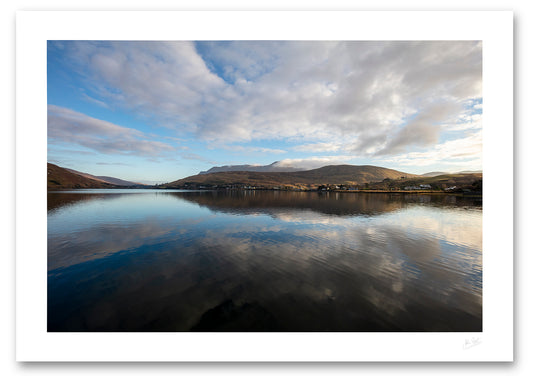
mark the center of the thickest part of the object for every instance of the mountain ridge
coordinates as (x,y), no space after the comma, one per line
(434,173)
(333,174)
(105,179)
(255,168)
(61,178)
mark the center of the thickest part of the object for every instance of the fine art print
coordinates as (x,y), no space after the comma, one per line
(264,186)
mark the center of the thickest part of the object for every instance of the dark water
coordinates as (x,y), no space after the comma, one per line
(127,260)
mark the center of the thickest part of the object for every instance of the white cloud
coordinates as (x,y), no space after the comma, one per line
(378,98)
(465,122)
(252,149)
(463,152)
(165,78)
(422,130)
(320,147)
(68,126)
(314,162)
(95,101)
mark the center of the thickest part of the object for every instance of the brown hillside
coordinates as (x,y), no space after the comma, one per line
(460,180)
(105,179)
(60,178)
(338,174)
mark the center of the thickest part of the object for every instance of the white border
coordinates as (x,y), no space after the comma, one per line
(33,343)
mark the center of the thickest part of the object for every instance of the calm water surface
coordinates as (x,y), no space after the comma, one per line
(143,260)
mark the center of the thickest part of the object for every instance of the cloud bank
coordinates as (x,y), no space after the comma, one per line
(353,98)
(71,127)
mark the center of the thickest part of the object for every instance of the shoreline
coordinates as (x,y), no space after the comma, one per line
(364,191)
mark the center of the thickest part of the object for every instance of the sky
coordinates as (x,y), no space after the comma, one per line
(154,112)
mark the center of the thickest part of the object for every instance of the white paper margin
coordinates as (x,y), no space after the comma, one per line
(494,28)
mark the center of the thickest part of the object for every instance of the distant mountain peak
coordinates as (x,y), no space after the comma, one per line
(471,172)
(273,167)
(438,173)
(434,173)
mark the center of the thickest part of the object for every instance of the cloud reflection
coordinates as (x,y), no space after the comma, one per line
(403,270)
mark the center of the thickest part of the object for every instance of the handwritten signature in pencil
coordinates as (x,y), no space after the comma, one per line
(471,342)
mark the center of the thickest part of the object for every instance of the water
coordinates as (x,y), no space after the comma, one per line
(143,260)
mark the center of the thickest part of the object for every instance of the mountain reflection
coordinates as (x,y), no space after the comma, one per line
(294,262)
(243,202)
(334,203)
(58,200)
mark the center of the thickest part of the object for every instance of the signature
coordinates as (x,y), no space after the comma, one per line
(471,342)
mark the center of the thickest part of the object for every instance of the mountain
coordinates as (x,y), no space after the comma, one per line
(471,172)
(61,178)
(336,174)
(105,179)
(276,203)
(439,173)
(434,173)
(117,181)
(257,168)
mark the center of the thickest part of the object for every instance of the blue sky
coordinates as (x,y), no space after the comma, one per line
(161,111)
